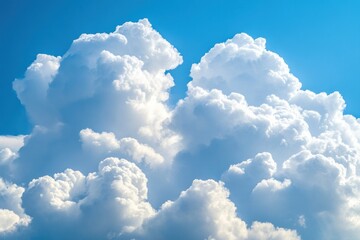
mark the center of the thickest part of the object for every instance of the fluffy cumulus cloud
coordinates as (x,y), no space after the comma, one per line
(12,214)
(204,212)
(288,156)
(247,154)
(103,204)
(243,65)
(106,144)
(114,82)
(9,147)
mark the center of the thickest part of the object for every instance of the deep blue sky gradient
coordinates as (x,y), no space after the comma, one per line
(319,40)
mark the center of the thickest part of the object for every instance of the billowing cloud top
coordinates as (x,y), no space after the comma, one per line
(246,155)
(244,66)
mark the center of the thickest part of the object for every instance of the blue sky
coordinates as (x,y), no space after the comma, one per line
(238,151)
(319,40)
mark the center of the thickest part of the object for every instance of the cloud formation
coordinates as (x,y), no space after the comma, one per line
(114,82)
(12,214)
(204,212)
(288,156)
(103,204)
(243,65)
(106,144)
(247,154)
(9,147)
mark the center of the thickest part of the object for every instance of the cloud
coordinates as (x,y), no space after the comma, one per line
(247,154)
(220,130)
(109,82)
(12,214)
(204,212)
(108,202)
(14,143)
(243,65)
(283,152)
(272,185)
(106,144)
(6,155)
(9,151)
(32,90)
(8,220)
(9,147)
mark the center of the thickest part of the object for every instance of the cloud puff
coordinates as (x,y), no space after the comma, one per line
(106,203)
(276,157)
(106,144)
(126,67)
(114,82)
(308,188)
(9,147)
(14,143)
(284,153)
(243,65)
(204,212)
(12,214)
(220,130)
(32,90)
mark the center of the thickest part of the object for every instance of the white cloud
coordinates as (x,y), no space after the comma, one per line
(266,231)
(204,116)
(243,65)
(32,90)
(243,101)
(262,166)
(14,143)
(12,214)
(302,221)
(110,202)
(9,147)
(288,157)
(109,82)
(6,155)
(272,185)
(140,152)
(8,220)
(106,144)
(204,212)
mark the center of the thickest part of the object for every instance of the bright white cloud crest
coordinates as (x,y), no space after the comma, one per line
(109,158)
